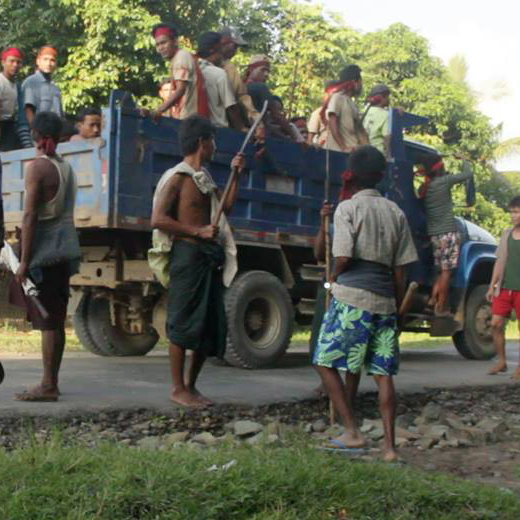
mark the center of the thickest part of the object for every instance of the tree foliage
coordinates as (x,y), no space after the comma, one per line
(107,45)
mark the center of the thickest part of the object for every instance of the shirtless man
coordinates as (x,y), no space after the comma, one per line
(88,125)
(50,251)
(202,258)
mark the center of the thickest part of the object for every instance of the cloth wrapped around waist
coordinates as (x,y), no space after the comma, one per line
(196,318)
(370,276)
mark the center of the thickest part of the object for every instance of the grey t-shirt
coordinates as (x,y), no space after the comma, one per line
(438,203)
(40,92)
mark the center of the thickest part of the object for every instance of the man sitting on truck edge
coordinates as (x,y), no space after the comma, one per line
(344,129)
(189,94)
(50,251)
(372,244)
(441,225)
(88,125)
(223,105)
(504,288)
(202,258)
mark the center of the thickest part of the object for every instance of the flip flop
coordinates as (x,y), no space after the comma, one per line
(340,447)
(32,397)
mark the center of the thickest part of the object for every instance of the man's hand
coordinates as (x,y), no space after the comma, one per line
(326,210)
(238,162)
(489,294)
(21,274)
(208,232)
(155,115)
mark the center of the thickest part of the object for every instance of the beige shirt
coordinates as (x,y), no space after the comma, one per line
(239,89)
(317,127)
(219,90)
(348,114)
(8,99)
(183,69)
(370,227)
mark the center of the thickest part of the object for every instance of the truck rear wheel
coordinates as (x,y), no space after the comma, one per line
(475,341)
(81,328)
(260,318)
(114,340)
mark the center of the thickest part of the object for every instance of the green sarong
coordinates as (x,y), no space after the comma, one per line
(196,318)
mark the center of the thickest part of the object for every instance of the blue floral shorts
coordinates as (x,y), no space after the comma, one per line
(351,338)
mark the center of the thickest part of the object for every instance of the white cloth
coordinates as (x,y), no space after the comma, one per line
(219,90)
(206,185)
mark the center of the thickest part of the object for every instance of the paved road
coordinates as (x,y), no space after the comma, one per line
(92,383)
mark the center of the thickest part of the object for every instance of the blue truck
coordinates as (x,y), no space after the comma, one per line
(118,308)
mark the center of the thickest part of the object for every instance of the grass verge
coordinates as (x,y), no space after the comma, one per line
(52,481)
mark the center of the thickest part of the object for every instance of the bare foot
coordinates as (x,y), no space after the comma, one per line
(496,369)
(186,399)
(38,394)
(203,399)
(390,455)
(351,440)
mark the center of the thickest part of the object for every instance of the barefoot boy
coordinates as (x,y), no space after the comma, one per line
(504,288)
(372,244)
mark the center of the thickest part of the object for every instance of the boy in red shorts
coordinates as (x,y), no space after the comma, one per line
(504,288)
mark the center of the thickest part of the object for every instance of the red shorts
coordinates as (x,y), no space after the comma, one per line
(505,302)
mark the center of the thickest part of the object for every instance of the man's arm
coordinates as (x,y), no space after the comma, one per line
(180,89)
(334,130)
(319,241)
(279,118)
(33,189)
(341,264)
(238,162)
(399,284)
(161,219)
(29,114)
(386,144)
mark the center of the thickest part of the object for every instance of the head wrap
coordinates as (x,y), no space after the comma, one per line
(259,60)
(428,176)
(11,51)
(47,49)
(164,30)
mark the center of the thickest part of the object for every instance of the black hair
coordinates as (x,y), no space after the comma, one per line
(47,124)
(367,165)
(207,43)
(277,98)
(350,72)
(89,111)
(514,202)
(428,160)
(192,130)
(169,26)
(68,129)
(298,118)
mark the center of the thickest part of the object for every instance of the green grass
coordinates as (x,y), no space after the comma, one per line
(50,481)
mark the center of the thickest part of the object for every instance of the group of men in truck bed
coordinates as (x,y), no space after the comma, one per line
(193,250)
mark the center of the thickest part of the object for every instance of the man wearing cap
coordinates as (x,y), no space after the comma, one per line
(188,96)
(231,41)
(376,118)
(221,99)
(255,78)
(14,131)
(40,93)
(345,131)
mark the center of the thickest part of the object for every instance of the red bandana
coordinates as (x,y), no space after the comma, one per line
(164,31)
(12,51)
(252,66)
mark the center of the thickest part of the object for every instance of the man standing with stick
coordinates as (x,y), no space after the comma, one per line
(372,244)
(202,257)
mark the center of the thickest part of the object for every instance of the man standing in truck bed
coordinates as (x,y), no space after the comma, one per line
(50,251)
(202,258)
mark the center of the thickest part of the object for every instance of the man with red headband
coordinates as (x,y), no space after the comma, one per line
(188,96)
(14,131)
(375,119)
(317,126)
(231,41)
(441,225)
(345,131)
(40,93)
(50,251)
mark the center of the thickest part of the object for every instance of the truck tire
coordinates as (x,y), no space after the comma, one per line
(260,317)
(112,339)
(475,341)
(80,324)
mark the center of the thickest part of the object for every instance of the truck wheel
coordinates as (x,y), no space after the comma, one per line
(80,324)
(113,339)
(260,318)
(475,341)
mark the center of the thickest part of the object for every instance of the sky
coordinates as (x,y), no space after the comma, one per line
(487,35)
